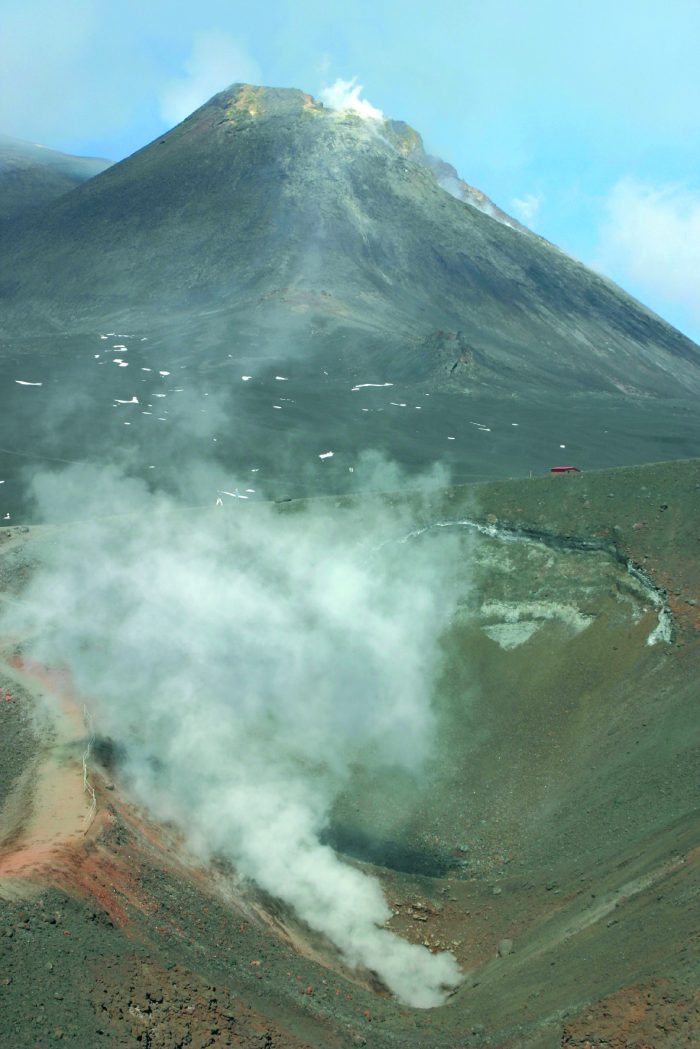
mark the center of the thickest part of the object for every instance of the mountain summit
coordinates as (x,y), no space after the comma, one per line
(290,222)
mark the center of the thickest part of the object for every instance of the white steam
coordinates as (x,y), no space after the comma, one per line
(247,661)
(344,95)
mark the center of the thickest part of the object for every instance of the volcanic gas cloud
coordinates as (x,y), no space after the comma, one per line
(247,660)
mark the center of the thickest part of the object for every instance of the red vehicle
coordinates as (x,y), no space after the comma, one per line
(564,470)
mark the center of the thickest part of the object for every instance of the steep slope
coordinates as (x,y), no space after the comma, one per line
(273,281)
(297,221)
(32,175)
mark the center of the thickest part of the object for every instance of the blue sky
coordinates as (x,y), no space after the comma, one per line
(581,117)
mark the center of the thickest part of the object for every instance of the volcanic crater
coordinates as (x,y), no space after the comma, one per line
(550,842)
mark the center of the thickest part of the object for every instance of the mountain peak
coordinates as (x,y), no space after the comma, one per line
(249,101)
(274,213)
(242,104)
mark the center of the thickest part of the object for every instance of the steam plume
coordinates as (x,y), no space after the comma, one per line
(344,95)
(246,661)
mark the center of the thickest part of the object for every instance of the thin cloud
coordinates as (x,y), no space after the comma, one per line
(323,66)
(650,238)
(52,79)
(216,60)
(527,207)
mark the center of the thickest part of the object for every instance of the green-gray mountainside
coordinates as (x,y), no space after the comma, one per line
(32,175)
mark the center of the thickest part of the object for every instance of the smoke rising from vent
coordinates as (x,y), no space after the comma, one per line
(247,659)
(344,95)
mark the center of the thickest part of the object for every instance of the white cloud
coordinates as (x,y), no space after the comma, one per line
(216,60)
(527,207)
(344,95)
(650,238)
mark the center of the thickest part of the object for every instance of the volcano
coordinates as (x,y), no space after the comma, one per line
(293,223)
(270,236)
(413,766)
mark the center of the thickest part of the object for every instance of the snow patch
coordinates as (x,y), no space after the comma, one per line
(366,385)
